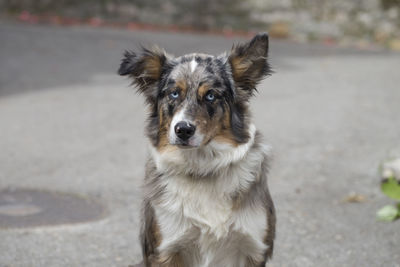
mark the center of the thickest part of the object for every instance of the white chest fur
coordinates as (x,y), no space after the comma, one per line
(203,213)
(202,210)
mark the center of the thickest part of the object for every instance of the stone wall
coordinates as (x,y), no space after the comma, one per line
(369,20)
(377,20)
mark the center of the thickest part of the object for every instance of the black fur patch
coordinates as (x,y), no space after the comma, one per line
(238,123)
(170,82)
(185,59)
(127,63)
(210,109)
(217,84)
(210,70)
(170,110)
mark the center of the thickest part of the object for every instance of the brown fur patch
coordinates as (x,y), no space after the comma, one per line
(164,124)
(209,128)
(162,142)
(239,66)
(155,228)
(163,129)
(224,135)
(171,260)
(182,85)
(150,237)
(270,234)
(236,201)
(152,67)
(202,90)
(161,118)
(252,263)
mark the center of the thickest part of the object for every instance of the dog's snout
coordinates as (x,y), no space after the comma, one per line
(184,130)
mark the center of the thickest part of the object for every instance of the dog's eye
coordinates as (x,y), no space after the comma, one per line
(174,95)
(210,96)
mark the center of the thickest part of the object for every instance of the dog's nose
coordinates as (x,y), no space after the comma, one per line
(184,130)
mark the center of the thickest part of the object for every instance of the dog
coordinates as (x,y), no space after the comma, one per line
(206,202)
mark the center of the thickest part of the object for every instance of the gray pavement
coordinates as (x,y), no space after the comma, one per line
(69,124)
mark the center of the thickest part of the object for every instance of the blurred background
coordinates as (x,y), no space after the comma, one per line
(358,22)
(72,145)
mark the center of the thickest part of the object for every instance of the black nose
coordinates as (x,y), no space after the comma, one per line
(184,130)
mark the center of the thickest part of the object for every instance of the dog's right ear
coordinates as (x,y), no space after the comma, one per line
(249,64)
(146,70)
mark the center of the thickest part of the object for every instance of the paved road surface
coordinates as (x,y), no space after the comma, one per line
(69,124)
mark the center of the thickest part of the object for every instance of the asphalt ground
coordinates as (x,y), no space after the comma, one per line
(70,125)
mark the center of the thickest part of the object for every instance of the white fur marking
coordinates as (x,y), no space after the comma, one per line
(177,118)
(193,65)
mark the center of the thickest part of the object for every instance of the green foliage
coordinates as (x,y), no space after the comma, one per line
(388,213)
(391,188)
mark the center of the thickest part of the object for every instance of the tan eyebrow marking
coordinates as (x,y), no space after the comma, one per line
(181,84)
(203,89)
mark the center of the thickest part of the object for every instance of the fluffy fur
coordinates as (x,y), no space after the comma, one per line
(206,196)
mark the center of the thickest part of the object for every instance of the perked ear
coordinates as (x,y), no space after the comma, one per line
(249,64)
(146,70)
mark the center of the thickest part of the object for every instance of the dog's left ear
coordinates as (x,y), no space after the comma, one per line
(146,69)
(249,64)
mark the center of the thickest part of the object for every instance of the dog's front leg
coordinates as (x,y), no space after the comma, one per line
(252,263)
(170,260)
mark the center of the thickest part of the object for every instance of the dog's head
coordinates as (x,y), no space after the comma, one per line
(197,98)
